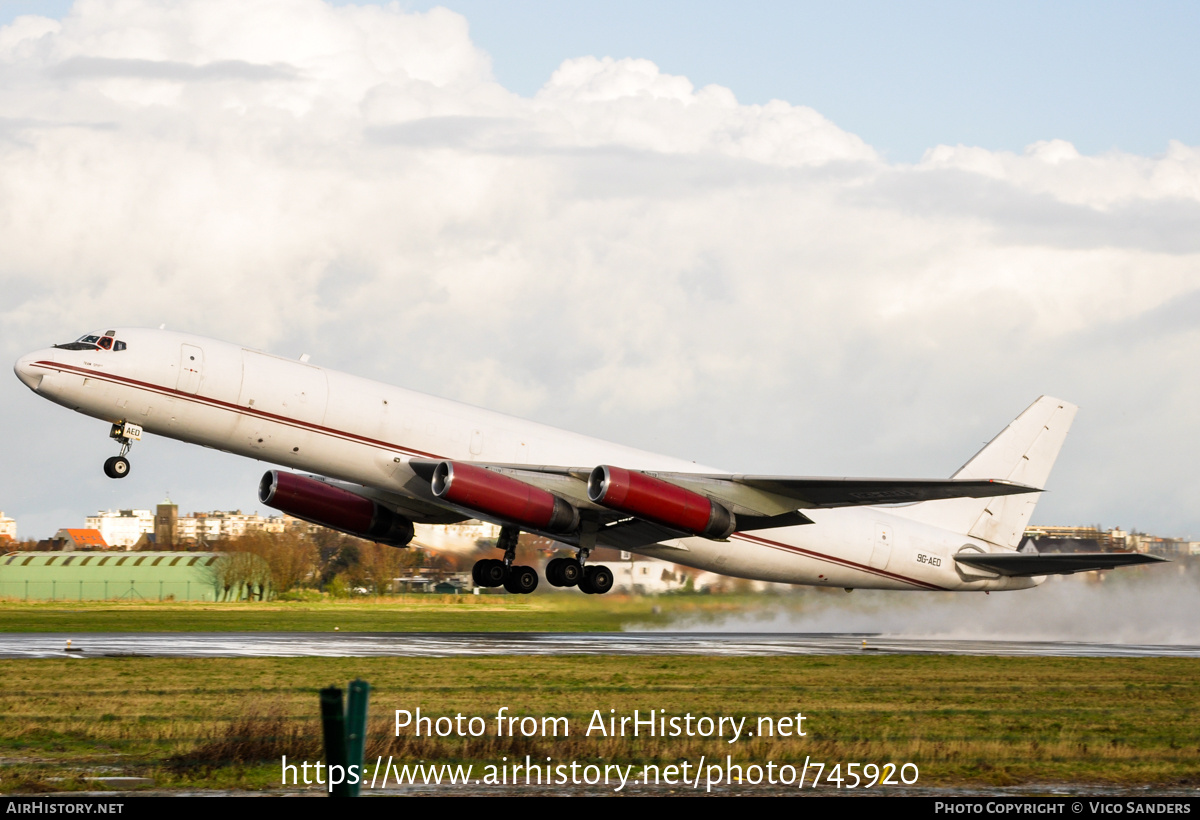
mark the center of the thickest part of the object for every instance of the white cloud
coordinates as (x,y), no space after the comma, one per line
(747,285)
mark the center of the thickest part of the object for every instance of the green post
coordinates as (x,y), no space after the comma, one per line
(333,722)
(356,728)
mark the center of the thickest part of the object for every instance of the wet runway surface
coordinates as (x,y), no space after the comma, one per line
(459,644)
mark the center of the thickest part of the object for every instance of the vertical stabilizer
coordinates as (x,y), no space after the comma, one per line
(1024,452)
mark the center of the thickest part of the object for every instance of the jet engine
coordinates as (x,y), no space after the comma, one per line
(504,497)
(334,507)
(659,501)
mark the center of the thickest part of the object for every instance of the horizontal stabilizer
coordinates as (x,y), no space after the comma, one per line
(1028,565)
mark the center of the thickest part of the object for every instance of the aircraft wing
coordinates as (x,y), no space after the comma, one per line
(1028,565)
(815,493)
(760,501)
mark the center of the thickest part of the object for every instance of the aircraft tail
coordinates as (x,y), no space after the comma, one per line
(1023,452)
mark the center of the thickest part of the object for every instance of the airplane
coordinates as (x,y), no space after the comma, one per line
(375,459)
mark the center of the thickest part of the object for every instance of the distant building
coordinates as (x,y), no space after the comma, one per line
(458,539)
(1073,539)
(644,576)
(202,528)
(1095,539)
(122,528)
(166,524)
(70,540)
(145,576)
(8,527)
(1140,542)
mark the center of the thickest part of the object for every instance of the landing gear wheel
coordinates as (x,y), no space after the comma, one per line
(569,572)
(116,467)
(597,580)
(563,572)
(489,572)
(521,580)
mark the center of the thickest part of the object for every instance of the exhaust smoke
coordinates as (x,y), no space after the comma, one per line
(1159,606)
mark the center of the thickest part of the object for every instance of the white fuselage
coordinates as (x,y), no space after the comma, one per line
(323,421)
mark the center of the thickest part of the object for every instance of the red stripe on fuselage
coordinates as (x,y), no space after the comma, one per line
(236,408)
(755,539)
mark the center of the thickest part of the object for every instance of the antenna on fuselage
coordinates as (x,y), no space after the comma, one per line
(163,326)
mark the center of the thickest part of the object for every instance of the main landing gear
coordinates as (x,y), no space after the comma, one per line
(592,579)
(127,434)
(493,572)
(560,572)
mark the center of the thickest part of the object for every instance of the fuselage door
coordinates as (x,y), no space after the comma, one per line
(191,369)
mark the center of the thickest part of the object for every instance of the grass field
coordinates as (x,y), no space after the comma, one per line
(406,613)
(226,722)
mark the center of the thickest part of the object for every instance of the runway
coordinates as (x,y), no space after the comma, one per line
(462,644)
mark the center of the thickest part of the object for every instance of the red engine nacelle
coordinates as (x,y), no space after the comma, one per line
(659,501)
(334,507)
(502,496)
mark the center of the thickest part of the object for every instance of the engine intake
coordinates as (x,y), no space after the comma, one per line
(333,507)
(659,501)
(502,496)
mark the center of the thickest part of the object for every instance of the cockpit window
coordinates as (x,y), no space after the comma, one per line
(91,341)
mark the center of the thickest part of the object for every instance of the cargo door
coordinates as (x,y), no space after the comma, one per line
(881,552)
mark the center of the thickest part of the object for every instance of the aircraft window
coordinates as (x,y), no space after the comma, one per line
(105,343)
(82,343)
(119,346)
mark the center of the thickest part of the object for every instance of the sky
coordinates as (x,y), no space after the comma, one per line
(803,239)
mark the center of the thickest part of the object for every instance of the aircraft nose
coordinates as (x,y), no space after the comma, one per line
(26,372)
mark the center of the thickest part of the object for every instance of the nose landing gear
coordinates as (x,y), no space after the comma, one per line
(126,434)
(116,467)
